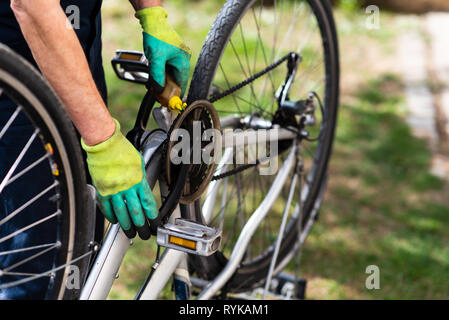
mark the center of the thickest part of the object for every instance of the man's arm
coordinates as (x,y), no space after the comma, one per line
(116,167)
(60,57)
(141,4)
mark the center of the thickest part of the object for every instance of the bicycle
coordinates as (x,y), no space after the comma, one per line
(227,229)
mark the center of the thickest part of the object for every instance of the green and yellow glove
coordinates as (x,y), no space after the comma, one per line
(163,48)
(118,173)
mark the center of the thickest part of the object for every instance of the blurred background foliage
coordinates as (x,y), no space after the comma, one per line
(383,206)
(404,6)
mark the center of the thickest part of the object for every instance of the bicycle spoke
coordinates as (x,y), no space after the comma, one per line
(244,47)
(234,227)
(18,160)
(257,43)
(243,100)
(308,71)
(10,121)
(290,29)
(31,166)
(221,211)
(20,274)
(302,44)
(21,262)
(213,219)
(41,246)
(246,75)
(314,85)
(259,37)
(43,274)
(229,86)
(26,204)
(55,214)
(276,30)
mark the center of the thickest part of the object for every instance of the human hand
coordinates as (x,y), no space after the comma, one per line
(163,48)
(123,194)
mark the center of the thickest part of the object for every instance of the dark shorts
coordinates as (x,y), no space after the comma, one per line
(25,188)
(89,34)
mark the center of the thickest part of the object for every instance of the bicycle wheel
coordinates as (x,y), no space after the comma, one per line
(44,223)
(247,38)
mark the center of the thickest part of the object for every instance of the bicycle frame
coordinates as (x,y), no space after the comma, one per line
(110,257)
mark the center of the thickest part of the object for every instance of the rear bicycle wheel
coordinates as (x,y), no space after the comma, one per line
(44,225)
(247,37)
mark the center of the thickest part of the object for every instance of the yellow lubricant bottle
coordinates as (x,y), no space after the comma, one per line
(170,96)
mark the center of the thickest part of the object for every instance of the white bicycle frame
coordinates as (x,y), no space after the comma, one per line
(110,256)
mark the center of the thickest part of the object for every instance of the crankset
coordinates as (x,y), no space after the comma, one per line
(187,154)
(194,140)
(188,151)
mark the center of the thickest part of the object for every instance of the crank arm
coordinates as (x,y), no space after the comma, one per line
(172,200)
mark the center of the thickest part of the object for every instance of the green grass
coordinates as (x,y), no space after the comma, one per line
(382,206)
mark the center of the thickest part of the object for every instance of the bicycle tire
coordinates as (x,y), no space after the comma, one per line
(27,88)
(251,275)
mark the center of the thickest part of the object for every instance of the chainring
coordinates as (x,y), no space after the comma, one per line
(191,124)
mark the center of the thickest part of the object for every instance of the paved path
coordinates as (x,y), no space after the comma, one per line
(437,27)
(425,63)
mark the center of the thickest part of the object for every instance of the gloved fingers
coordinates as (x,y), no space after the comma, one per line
(144,231)
(106,208)
(147,200)
(179,68)
(121,212)
(138,217)
(134,208)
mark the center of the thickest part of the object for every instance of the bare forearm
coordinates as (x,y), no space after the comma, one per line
(61,59)
(140,4)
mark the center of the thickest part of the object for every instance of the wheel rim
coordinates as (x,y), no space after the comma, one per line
(18,265)
(259,97)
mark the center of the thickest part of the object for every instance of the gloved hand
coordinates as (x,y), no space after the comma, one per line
(118,173)
(163,47)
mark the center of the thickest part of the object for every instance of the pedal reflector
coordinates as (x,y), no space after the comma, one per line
(182,242)
(189,236)
(130,56)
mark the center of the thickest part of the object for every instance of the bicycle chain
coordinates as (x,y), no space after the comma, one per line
(249,80)
(223,94)
(232,90)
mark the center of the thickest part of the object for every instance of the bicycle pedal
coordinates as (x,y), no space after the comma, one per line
(189,236)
